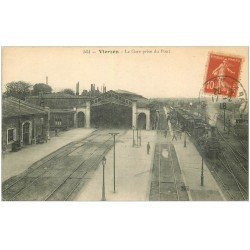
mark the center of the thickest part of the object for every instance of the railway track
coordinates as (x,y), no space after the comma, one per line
(242,189)
(167,183)
(173,170)
(164,184)
(58,190)
(56,155)
(224,185)
(244,144)
(235,153)
(59,175)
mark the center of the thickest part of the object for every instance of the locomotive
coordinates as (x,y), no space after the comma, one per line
(203,134)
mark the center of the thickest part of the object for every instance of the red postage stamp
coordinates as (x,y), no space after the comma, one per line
(222,76)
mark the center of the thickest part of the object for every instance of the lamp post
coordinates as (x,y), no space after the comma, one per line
(202,173)
(158,119)
(224,109)
(133,136)
(185,138)
(103,178)
(114,134)
(137,128)
(140,136)
(203,106)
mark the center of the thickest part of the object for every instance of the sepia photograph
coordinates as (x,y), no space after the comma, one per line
(125,123)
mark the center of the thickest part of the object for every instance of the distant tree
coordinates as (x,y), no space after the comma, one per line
(68,91)
(41,87)
(18,89)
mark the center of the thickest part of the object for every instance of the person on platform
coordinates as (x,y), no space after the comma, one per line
(148,148)
(165,133)
(174,136)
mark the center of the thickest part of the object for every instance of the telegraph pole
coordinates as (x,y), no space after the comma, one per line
(224,109)
(137,129)
(185,139)
(133,136)
(202,173)
(114,134)
(103,178)
(140,137)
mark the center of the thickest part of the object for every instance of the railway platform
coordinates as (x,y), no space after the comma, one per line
(190,163)
(14,163)
(133,172)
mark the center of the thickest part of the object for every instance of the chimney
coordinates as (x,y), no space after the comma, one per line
(77,88)
(47,80)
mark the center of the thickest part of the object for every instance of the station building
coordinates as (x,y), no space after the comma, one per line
(111,109)
(22,122)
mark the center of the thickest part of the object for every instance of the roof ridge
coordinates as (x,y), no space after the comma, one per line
(25,103)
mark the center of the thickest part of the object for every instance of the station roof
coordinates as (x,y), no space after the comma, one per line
(123,98)
(59,96)
(62,111)
(142,102)
(12,107)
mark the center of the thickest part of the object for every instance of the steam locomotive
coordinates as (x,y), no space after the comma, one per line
(203,135)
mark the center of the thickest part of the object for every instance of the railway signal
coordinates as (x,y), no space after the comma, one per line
(114,134)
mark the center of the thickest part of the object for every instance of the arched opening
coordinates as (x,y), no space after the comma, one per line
(80,120)
(26,133)
(111,115)
(141,121)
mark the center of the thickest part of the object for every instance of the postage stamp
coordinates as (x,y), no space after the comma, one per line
(222,75)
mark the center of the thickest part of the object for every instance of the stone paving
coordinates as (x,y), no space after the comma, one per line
(14,163)
(133,172)
(190,164)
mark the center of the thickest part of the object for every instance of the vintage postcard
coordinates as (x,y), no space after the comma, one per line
(125,124)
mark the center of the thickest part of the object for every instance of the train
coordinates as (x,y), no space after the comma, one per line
(204,135)
(237,122)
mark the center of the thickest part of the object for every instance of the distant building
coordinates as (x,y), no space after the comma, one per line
(22,122)
(119,109)
(64,109)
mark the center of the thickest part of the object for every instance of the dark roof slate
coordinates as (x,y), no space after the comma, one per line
(12,107)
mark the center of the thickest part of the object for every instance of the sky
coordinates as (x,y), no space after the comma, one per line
(150,71)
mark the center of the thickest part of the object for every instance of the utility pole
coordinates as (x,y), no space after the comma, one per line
(140,136)
(224,109)
(137,136)
(114,134)
(202,173)
(133,136)
(19,122)
(137,129)
(103,178)
(185,139)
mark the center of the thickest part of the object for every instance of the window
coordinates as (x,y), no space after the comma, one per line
(58,121)
(11,135)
